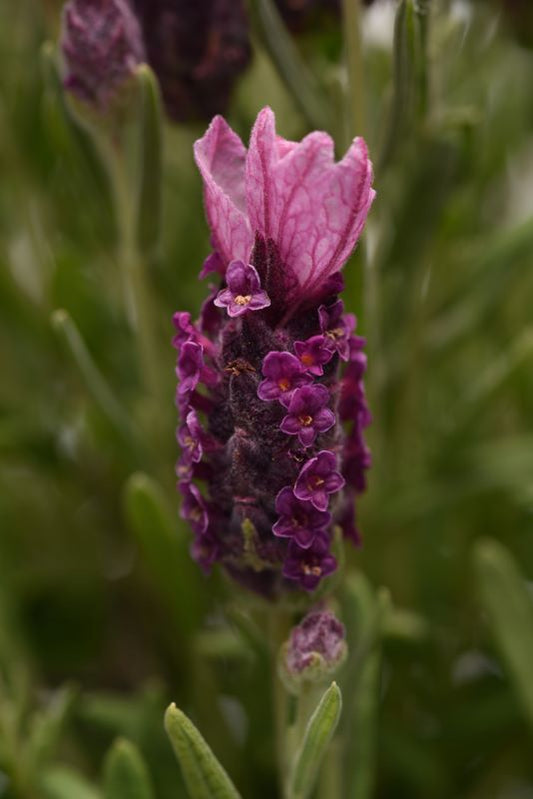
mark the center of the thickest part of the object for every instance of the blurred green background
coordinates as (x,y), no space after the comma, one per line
(96,587)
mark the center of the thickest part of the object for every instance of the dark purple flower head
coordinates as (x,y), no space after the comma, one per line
(307,414)
(313,354)
(337,327)
(244,292)
(197,50)
(299,519)
(261,372)
(319,637)
(318,479)
(283,373)
(309,566)
(102,45)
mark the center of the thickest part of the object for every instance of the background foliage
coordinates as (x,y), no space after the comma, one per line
(97,592)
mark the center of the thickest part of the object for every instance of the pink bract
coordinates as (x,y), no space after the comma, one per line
(292,193)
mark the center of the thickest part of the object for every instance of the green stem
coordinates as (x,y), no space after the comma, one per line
(279,630)
(354,62)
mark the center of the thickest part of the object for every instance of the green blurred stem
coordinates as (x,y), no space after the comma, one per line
(351,10)
(138,306)
(422,14)
(279,629)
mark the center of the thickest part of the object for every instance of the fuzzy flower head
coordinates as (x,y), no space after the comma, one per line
(315,650)
(102,45)
(269,466)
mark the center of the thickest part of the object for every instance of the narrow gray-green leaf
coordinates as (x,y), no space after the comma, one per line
(304,88)
(47,727)
(509,606)
(204,777)
(125,773)
(61,782)
(403,99)
(164,548)
(149,187)
(96,384)
(318,735)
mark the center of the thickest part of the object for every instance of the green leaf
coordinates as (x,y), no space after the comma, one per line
(404,77)
(97,386)
(302,85)
(60,782)
(365,612)
(149,185)
(204,777)
(509,606)
(47,727)
(165,549)
(318,735)
(125,773)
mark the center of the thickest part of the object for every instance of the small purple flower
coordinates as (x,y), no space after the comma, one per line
(190,365)
(356,460)
(309,566)
(244,292)
(347,521)
(193,507)
(313,354)
(102,45)
(283,373)
(205,550)
(318,478)
(307,414)
(184,328)
(337,327)
(213,263)
(298,519)
(190,437)
(319,636)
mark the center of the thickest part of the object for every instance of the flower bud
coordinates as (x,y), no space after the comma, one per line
(197,51)
(102,45)
(315,650)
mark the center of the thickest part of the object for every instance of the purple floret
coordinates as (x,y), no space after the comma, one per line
(318,479)
(283,373)
(244,292)
(309,566)
(308,415)
(299,519)
(337,328)
(313,354)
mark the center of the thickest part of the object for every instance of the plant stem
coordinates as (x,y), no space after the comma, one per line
(279,630)
(354,63)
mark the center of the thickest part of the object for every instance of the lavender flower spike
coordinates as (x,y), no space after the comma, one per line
(307,414)
(265,432)
(244,292)
(102,45)
(318,479)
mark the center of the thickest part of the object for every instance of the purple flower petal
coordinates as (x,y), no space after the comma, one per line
(283,373)
(313,354)
(244,291)
(318,479)
(298,519)
(307,415)
(309,566)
